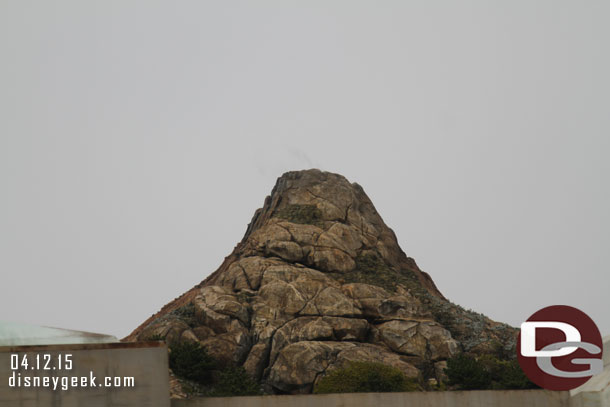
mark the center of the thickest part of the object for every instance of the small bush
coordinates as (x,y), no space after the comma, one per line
(155,338)
(505,374)
(186,313)
(363,377)
(467,373)
(372,269)
(370,263)
(486,372)
(303,214)
(190,361)
(234,381)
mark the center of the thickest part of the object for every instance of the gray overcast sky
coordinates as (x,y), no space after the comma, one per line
(138,138)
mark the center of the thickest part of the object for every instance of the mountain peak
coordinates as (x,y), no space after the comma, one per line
(319,280)
(327,223)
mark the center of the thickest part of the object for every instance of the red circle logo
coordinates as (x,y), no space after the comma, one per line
(560,348)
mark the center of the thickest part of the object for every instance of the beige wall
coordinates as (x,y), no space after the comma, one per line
(145,362)
(531,398)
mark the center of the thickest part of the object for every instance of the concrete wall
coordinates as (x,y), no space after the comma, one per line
(596,392)
(145,362)
(501,398)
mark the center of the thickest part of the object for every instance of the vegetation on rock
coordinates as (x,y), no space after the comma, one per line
(233,381)
(302,214)
(192,363)
(155,338)
(186,313)
(365,377)
(371,269)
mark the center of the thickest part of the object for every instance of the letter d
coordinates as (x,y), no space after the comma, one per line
(528,338)
(11,380)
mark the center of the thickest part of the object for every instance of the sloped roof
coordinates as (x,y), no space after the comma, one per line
(18,334)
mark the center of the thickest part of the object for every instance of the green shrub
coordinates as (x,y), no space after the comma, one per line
(186,313)
(372,269)
(303,214)
(190,361)
(234,381)
(155,338)
(505,374)
(467,373)
(486,372)
(370,263)
(363,377)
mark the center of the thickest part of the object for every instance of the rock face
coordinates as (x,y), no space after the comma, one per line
(318,281)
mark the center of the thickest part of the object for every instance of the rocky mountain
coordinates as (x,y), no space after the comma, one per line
(317,281)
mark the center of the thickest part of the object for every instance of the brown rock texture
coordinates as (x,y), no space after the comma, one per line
(317,281)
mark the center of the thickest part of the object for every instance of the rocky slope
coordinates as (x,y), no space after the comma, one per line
(317,281)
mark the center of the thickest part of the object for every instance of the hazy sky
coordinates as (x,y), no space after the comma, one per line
(138,138)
